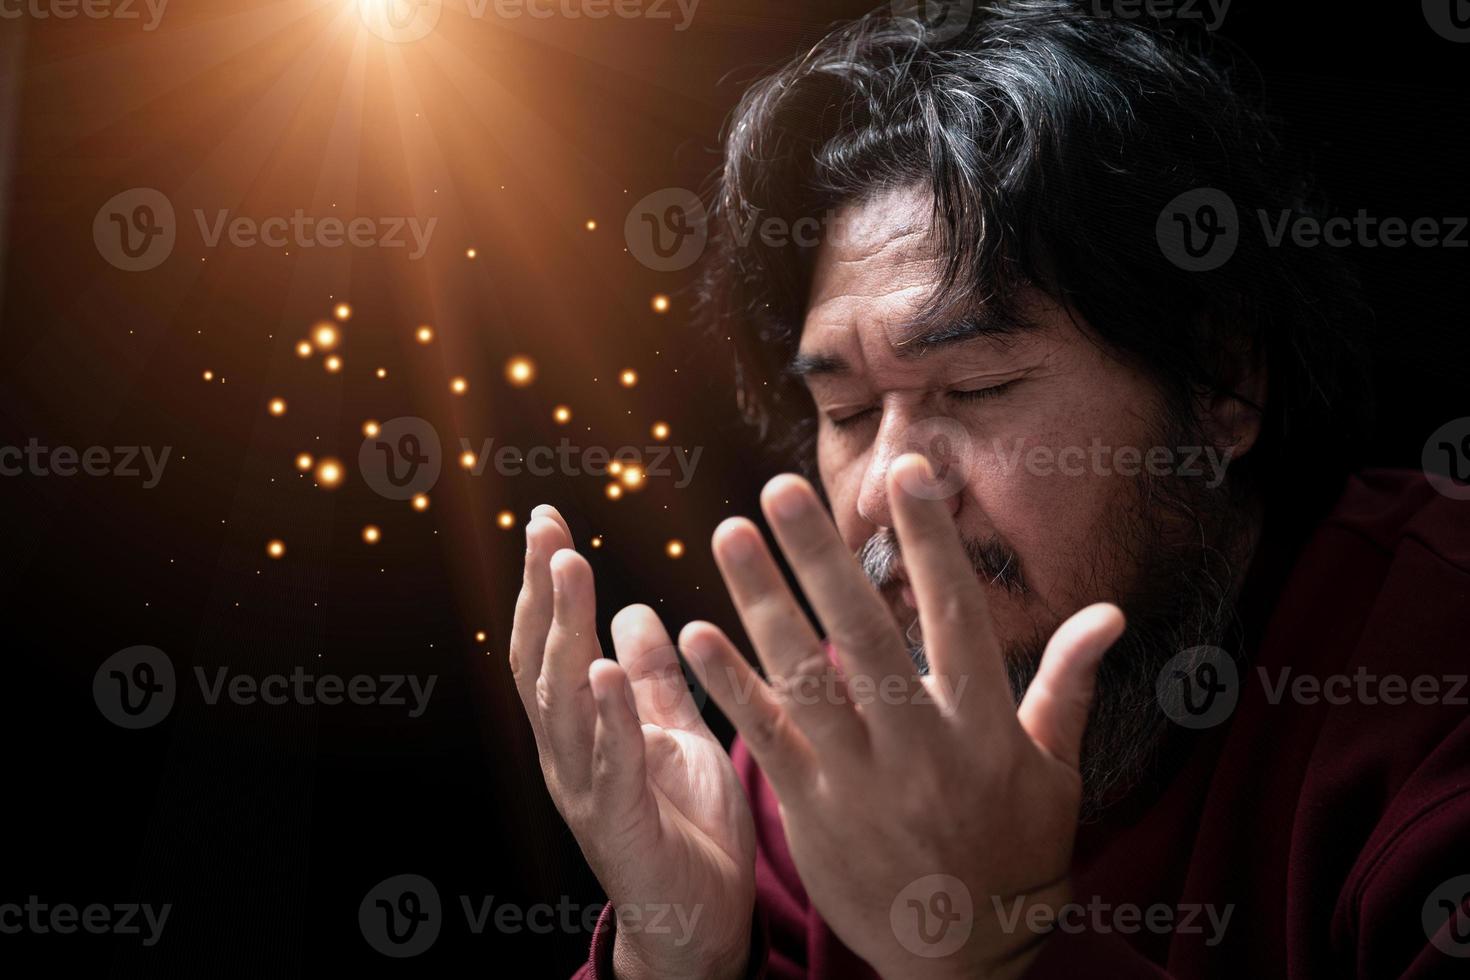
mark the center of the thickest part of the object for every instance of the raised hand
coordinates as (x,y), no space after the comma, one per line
(923,777)
(639,778)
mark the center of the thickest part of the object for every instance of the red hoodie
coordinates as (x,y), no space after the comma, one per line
(1321,831)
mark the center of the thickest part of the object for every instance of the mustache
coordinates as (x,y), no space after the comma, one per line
(991,558)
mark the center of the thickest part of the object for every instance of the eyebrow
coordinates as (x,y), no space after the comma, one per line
(949,333)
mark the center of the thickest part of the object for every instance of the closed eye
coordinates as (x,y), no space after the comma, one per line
(849,421)
(977,394)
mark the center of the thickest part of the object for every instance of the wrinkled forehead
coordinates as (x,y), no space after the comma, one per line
(876,266)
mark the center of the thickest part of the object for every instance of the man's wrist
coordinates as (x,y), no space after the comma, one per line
(630,962)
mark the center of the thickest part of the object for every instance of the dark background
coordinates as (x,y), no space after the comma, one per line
(264,827)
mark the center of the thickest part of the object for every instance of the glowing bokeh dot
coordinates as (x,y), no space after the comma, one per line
(470,253)
(370,428)
(591,225)
(424,334)
(615,467)
(660,303)
(329,473)
(304,461)
(632,476)
(596,541)
(342,311)
(614,491)
(277,406)
(208,375)
(276,548)
(479,636)
(628,378)
(660,430)
(459,385)
(505,519)
(520,371)
(325,336)
(562,414)
(420,502)
(674,549)
(371,534)
(303,348)
(333,364)
(467,460)
(382,372)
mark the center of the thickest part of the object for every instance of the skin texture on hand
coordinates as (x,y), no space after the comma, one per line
(646,788)
(952,778)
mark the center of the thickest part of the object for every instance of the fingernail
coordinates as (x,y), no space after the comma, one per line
(789,503)
(737,546)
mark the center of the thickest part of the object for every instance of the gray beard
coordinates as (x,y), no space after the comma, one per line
(1187,543)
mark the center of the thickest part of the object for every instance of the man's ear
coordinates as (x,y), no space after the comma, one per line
(1231,415)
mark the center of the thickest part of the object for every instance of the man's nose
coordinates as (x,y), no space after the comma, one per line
(894,439)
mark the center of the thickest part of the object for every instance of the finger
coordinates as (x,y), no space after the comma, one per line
(1054,710)
(959,636)
(546,510)
(856,619)
(797,665)
(619,767)
(562,692)
(533,612)
(782,752)
(659,688)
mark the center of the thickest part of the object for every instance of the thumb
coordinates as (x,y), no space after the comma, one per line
(1054,710)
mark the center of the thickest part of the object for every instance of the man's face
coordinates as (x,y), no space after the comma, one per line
(1005,413)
